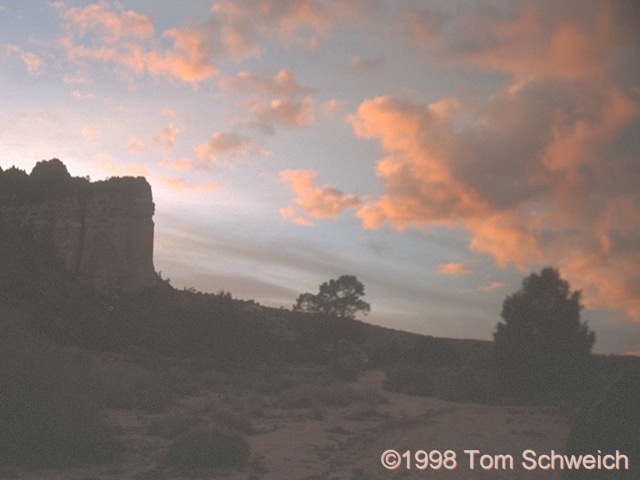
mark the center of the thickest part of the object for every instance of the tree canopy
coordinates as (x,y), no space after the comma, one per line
(542,342)
(339,298)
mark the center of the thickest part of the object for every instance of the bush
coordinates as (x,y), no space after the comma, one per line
(50,406)
(206,448)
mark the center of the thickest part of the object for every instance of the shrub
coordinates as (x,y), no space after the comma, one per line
(206,448)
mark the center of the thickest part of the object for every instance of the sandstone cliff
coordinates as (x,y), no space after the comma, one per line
(101,231)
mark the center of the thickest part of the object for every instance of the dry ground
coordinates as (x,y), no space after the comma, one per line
(322,441)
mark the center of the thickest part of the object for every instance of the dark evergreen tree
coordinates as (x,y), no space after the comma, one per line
(542,344)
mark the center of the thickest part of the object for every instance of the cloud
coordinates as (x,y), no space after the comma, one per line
(32,61)
(365,65)
(98,33)
(90,134)
(424,25)
(543,172)
(229,145)
(166,137)
(78,95)
(454,269)
(189,60)
(280,99)
(105,163)
(235,29)
(568,40)
(137,146)
(493,286)
(307,23)
(284,84)
(289,213)
(286,111)
(331,107)
(181,165)
(316,202)
(113,25)
(180,185)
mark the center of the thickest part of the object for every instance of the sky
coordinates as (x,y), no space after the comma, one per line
(440,151)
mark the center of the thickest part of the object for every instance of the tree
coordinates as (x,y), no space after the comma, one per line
(542,343)
(338,298)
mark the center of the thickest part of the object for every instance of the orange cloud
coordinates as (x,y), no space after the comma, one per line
(528,39)
(90,135)
(454,269)
(180,185)
(331,108)
(32,61)
(137,146)
(365,65)
(280,99)
(286,111)
(113,25)
(189,60)
(541,174)
(302,22)
(112,169)
(493,286)
(125,38)
(166,137)
(420,184)
(229,145)
(316,202)
(284,83)
(289,213)
(183,164)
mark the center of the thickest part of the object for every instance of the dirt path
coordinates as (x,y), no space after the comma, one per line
(347,443)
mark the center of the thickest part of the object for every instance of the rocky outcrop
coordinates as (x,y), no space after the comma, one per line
(101,231)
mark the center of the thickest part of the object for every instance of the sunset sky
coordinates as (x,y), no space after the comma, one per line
(440,151)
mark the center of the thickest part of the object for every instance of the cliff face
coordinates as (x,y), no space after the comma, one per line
(101,231)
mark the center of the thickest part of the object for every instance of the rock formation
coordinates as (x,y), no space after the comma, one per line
(101,231)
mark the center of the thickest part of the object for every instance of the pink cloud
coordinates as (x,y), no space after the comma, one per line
(244,23)
(539,175)
(493,286)
(112,25)
(105,163)
(166,137)
(180,185)
(289,213)
(90,134)
(284,83)
(365,65)
(454,269)
(229,145)
(331,108)
(286,111)
(32,61)
(280,99)
(316,202)
(137,146)
(181,165)
(126,39)
(524,38)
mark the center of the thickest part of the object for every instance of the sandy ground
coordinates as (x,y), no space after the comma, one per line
(347,443)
